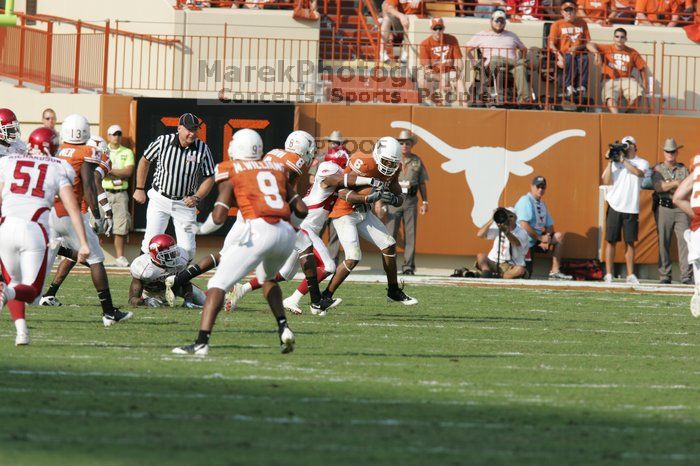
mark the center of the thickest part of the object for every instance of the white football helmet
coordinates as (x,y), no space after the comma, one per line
(387,154)
(98,143)
(246,144)
(301,143)
(75,129)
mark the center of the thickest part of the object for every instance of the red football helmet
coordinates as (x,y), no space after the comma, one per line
(163,250)
(44,141)
(9,126)
(338,156)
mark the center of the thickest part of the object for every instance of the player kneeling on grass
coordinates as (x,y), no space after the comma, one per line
(264,241)
(29,184)
(687,198)
(149,271)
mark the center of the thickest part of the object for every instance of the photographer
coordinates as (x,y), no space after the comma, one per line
(624,172)
(509,261)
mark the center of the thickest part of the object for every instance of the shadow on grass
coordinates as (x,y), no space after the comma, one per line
(191,418)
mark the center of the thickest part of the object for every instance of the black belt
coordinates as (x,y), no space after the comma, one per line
(115,190)
(172,198)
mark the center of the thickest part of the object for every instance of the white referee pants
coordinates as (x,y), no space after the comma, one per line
(159,212)
(23,254)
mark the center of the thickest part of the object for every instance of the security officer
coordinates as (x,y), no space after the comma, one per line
(666,178)
(413,179)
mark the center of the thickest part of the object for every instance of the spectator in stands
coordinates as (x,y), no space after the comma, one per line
(594,11)
(116,185)
(48,118)
(534,218)
(622,11)
(510,261)
(625,176)
(484,8)
(501,48)
(441,66)
(396,13)
(618,61)
(666,177)
(524,10)
(659,12)
(567,39)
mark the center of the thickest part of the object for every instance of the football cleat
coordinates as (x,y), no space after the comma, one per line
(116,316)
(233,297)
(197,349)
(292,305)
(3,286)
(321,309)
(22,339)
(399,296)
(286,340)
(191,305)
(49,301)
(169,294)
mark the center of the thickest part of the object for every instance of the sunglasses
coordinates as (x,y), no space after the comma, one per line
(117,133)
(541,186)
(569,10)
(405,143)
(500,20)
(439,28)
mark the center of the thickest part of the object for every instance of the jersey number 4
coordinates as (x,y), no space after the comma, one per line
(23,174)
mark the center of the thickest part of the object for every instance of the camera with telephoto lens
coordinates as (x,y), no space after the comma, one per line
(500,216)
(617,151)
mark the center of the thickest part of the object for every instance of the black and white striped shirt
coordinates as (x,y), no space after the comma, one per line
(179,170)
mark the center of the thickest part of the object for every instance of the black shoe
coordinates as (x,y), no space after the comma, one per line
(398,296)
(665,281)
(326,303)
(116,316)
(408,272)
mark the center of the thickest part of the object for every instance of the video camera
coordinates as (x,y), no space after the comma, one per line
(617,151)
(500,216)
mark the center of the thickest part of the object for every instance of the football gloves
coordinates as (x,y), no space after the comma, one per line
(373,196)
(152,302)
(390,198)
(104,226)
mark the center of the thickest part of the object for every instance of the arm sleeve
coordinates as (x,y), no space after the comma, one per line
(220,175)
(423,175)
(523,210)
(129,158)
(153,150)
(207,163)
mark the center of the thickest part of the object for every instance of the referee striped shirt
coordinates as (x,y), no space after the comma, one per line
(179,170)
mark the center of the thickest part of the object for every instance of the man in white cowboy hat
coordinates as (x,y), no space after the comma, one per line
(666,178)
(413,179)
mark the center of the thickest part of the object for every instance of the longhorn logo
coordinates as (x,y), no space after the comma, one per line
(487,169)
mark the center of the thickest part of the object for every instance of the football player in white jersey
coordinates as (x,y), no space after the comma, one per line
(319,200)
(148,271)
(10,142)
(29,184)
(687,198)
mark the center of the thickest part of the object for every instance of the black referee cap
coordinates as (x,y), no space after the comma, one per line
(189,121)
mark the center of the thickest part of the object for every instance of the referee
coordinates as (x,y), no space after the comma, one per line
(182,161)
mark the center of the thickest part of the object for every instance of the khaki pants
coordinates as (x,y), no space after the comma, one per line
(408,213)
(120,211)
(519,71)
(628,88)
(669,222)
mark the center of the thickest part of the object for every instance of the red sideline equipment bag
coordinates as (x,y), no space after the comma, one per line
(582,269)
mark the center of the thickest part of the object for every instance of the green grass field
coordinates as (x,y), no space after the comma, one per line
(469,376)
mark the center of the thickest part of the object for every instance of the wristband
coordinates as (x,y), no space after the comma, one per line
(425,202)
(222,205)
(196,198)
(139,189)
(102,197)
(107,207)
(293,197)
(363,180)
(345,180)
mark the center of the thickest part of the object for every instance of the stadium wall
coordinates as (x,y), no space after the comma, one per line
(472,160)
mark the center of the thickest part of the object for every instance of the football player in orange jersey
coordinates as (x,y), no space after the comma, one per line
(351,222)
(263,242)
(75,133)
(687,198)
(102,225)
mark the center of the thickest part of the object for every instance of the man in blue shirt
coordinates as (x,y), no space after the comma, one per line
(534,218)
